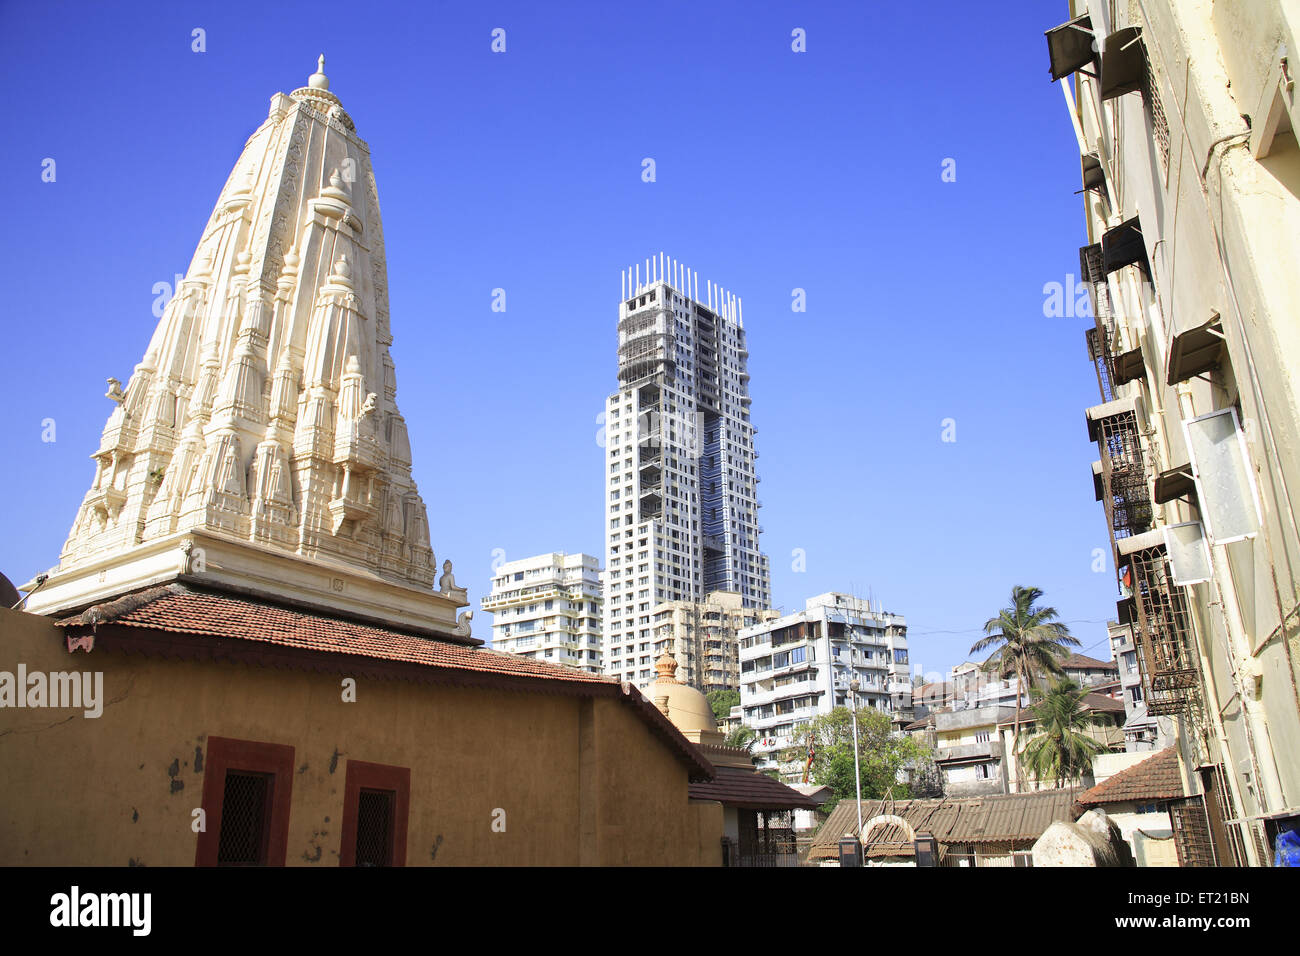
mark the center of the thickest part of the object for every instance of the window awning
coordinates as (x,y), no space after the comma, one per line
(1139,542)
(1096,480)
(1195,351)
(1108,410)
(1126,611)
(1128,366)
(1123,63)
(1071,46)
(1093,175)
(1175,483)
(1123,246)
(1090,263)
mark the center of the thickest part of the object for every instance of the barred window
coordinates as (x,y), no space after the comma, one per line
(245,815)
(376,803)
(375,827)
(247,790)
(1159,123)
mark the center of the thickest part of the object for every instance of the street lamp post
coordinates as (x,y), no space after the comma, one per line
(857,773)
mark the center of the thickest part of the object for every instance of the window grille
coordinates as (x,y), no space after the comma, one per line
(1127,499)
(1159,123)
(1164,634)
(245,811)
(1191,832)
(375,827)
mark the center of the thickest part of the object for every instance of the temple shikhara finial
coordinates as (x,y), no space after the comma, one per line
(318,80)
(261,428)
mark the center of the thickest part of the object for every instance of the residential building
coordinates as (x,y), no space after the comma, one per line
(931,696)
(1105,726)
(548,607)
(979,686)
(680,482)
(1185,119)
(973,740)
(798,666)
(247,594)
(703,637)
(968,748)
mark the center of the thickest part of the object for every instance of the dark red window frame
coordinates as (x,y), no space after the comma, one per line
(225,754)
(374,776)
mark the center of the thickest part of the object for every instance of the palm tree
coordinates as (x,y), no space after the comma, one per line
(742,737)
(1060,748)
(1031,643)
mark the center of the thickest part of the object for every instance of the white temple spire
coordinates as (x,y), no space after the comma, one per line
(261,431)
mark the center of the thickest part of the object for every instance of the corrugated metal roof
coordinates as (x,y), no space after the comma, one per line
(1003,818)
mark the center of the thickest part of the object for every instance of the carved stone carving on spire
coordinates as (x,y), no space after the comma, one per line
(265,410)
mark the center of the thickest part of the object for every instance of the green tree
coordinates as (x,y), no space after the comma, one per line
(1030,642)
(882,753)
(722,701)
(1060,748)
(742,737)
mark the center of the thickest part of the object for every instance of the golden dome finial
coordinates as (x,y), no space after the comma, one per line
(666,668)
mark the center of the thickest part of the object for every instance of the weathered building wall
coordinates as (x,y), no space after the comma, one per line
(1220,212)
(121,789)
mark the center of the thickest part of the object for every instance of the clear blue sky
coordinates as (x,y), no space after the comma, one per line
(775,170)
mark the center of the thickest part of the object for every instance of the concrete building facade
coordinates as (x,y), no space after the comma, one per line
(1185,115)
(680,483)
(798,666)
(548,607)
(704,637)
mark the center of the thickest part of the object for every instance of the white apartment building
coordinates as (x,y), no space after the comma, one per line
(799,666)
(548,607)
(680,485)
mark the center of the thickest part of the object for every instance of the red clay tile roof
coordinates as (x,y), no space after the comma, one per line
(1080,662)
(750,790)
(179,609)
(176,620)
(1156,778)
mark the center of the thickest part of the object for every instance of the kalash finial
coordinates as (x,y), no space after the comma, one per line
(318,80)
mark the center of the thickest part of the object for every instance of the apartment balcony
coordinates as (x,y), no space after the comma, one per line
(651,503)
(1162,632)
(524,596)
(1123,480)
(649,469)
(962,753)
(762,697)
